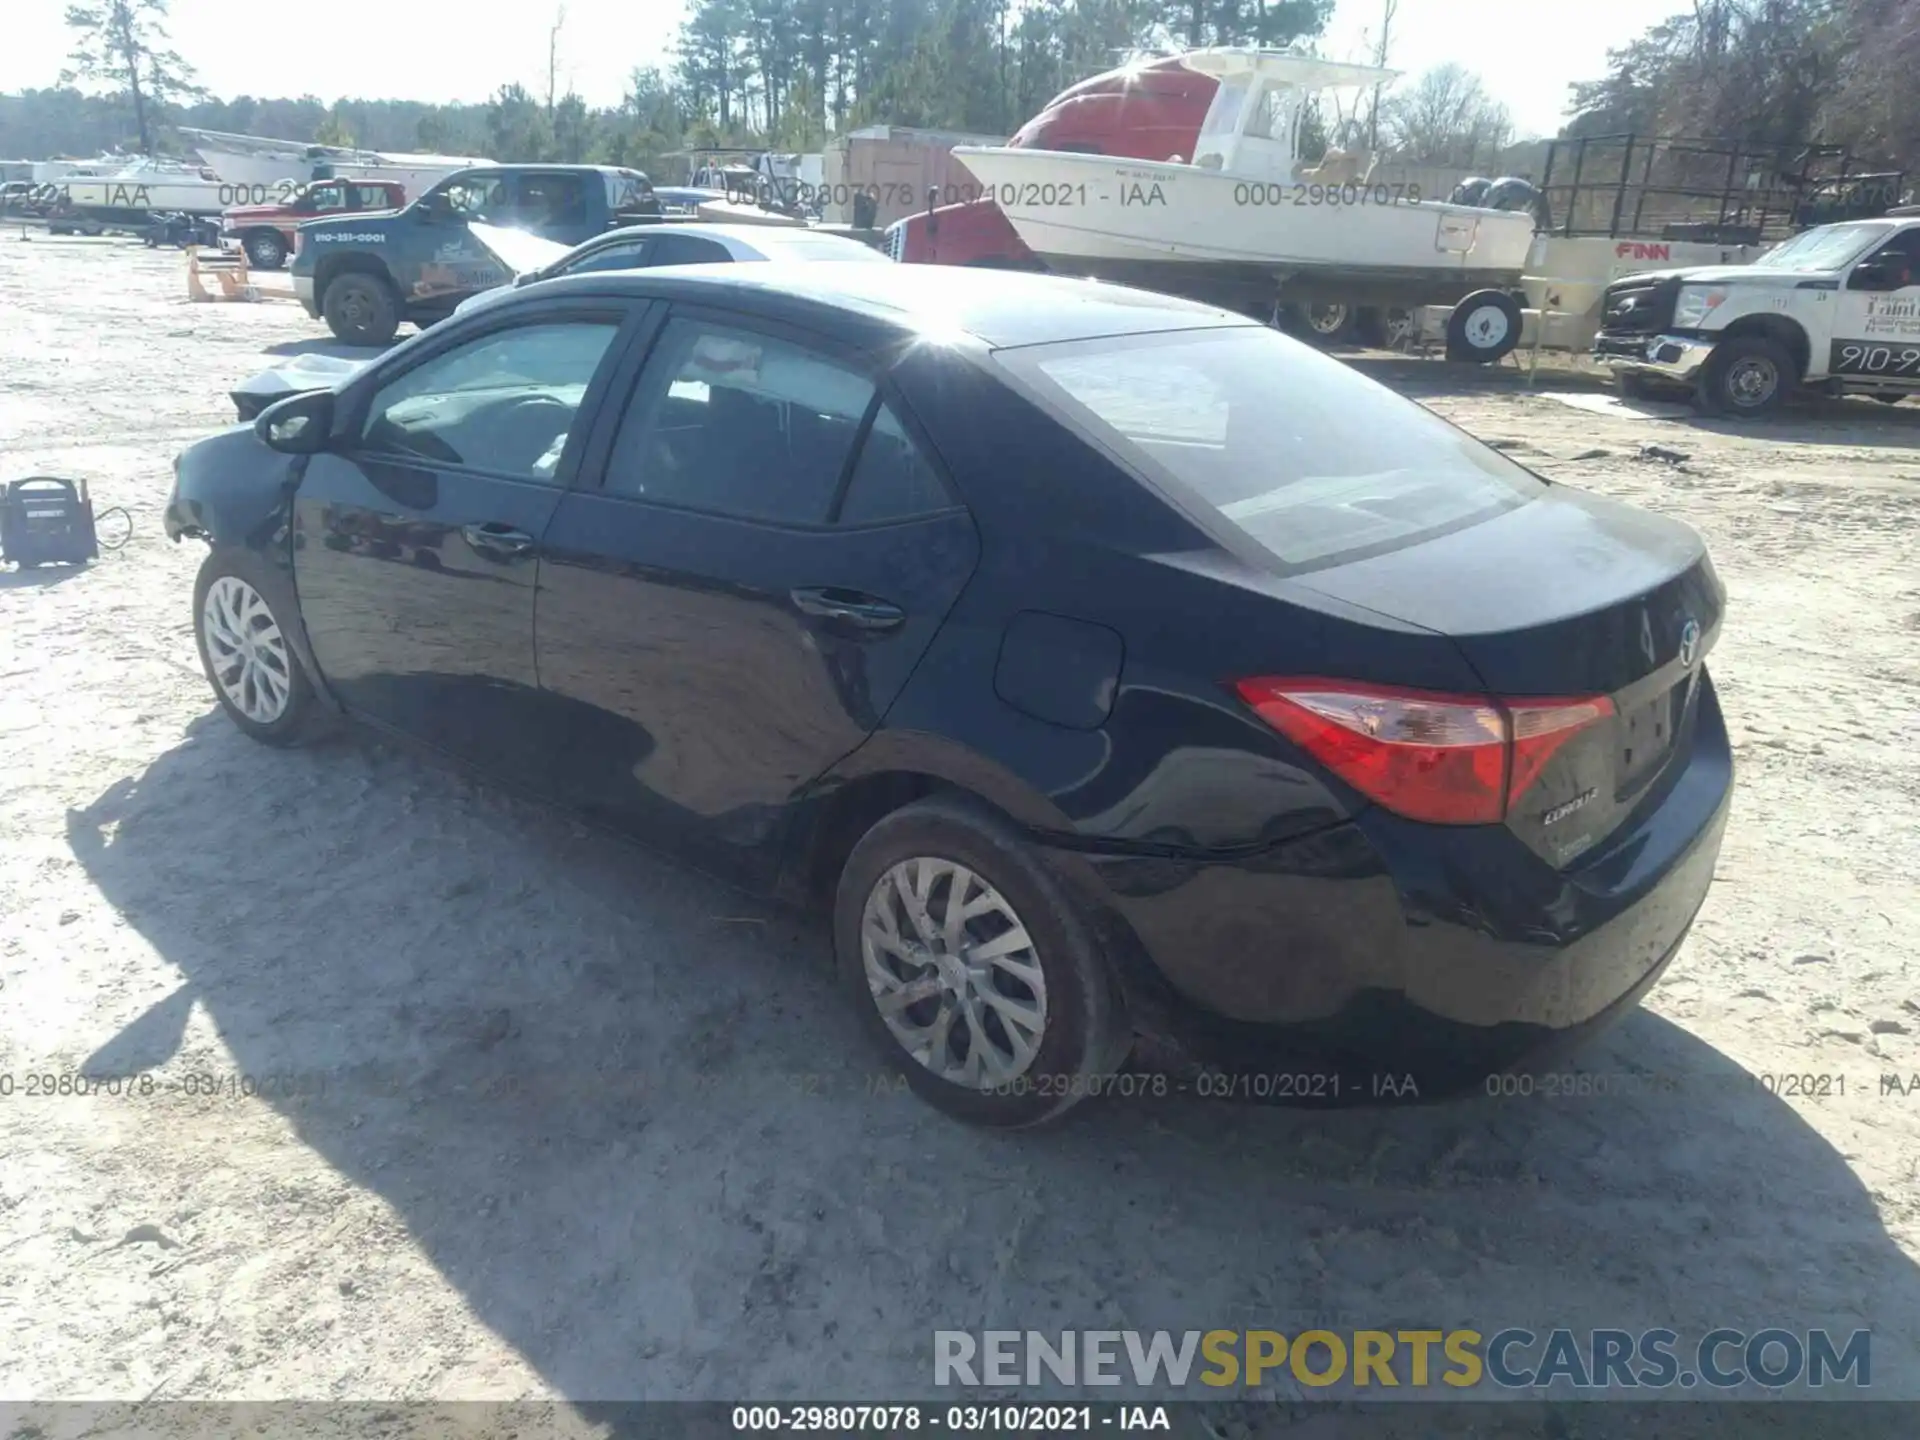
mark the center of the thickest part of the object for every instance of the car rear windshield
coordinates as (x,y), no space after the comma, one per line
(1307,456)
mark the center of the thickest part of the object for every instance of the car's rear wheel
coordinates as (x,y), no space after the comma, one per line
(244,649)
(976,974)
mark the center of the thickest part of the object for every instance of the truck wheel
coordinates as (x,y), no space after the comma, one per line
(1890,397)
(1483,328)
(1326,322)
(1745,378)
(266,250)
(361,309)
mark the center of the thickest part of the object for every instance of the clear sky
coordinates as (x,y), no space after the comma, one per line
(1526,50)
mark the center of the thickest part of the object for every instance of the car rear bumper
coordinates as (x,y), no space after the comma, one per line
(1382,950)
(1674,357)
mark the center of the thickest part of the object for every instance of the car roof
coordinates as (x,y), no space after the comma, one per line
(882,303)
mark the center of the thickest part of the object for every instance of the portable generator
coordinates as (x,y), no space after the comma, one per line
(45,521)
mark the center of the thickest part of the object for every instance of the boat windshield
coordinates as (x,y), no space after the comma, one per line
(1222,120)
(1308,458)
(1826,248)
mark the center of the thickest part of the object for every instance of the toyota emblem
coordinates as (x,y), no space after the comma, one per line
(1689,643)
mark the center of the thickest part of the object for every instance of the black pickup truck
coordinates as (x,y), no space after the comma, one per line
(365,274)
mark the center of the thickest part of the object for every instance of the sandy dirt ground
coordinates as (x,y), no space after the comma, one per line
(449,1097)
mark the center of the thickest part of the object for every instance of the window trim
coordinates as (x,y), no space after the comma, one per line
(626,317)
(592,476)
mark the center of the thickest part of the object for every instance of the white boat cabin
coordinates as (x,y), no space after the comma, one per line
(1252,128)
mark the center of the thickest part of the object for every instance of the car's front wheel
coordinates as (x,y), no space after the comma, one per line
(361,309)
(266,250)
(977,975)
(1747,377)
(244,649)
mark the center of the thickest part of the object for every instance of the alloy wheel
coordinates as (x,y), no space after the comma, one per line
(954,973)
(246,651)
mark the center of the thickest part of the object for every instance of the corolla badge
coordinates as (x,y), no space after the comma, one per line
(1689,643)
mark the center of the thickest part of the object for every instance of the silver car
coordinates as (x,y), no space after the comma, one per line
(645,247)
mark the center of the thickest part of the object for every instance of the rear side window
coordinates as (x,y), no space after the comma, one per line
(688,250)
(738,424)
(622,255)
(1305,455)
(548,199)
(891,479)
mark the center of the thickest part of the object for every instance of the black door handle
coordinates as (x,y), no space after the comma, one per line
(850,607)
(500,540)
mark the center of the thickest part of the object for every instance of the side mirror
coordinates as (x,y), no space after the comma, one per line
(298,425)
(1877,274)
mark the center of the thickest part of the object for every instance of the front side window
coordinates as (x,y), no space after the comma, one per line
(1309,458)
(739,424)
(504,403)
(484,198)
(325,199)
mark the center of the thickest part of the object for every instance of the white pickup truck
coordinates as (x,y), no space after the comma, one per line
(1836,307)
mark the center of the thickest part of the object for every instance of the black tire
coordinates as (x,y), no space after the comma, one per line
(303,716)
(266,250)
(1747,377)
(1890,397)
(1326,322)
(1484,328)
(361,309)
(1084,1037)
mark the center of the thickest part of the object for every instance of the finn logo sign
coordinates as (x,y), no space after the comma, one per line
(1689,643)
(1641,250)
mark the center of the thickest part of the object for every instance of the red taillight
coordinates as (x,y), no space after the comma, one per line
(1444,759)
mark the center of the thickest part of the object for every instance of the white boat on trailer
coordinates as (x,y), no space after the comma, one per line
(261,171)
(1244,220)
(131,192)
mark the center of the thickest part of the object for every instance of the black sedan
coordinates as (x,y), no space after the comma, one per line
(1109,665)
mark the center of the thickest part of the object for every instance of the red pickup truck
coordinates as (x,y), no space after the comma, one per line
(265,232)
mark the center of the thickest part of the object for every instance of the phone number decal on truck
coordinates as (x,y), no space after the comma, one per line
(1862,357)
(365,237)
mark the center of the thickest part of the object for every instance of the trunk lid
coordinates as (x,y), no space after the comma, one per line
(1567,597)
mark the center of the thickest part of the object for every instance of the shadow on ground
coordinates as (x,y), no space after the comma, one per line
(626,1116)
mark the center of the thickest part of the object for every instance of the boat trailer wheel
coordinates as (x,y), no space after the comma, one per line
(1483,328)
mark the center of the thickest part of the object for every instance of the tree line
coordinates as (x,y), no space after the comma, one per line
(789,74)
